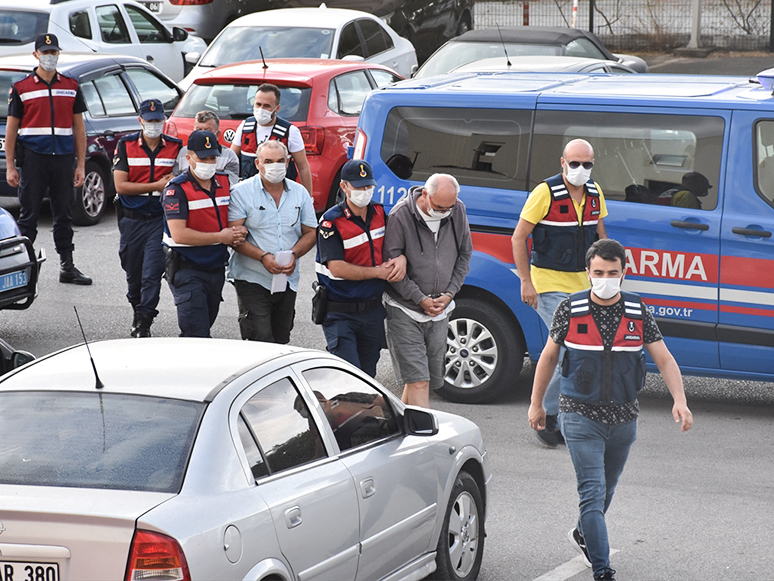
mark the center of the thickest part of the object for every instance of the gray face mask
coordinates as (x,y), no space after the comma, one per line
(48,62)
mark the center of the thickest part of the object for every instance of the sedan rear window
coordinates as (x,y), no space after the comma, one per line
(8,78)
(21,26)
(245,43)
(236,101)
(96,440)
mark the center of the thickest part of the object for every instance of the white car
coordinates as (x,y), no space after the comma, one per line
(103,26)
(201,459)
(328,33)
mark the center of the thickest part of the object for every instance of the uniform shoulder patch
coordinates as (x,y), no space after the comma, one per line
(326,224)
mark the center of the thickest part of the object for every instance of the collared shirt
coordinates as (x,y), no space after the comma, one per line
(269,227)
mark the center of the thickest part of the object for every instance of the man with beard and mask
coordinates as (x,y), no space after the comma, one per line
(197,236)
(142,167)
(266,125)
(430,228)
(279,216)
(564,216)
(603,332)
(46,137)
(350,267)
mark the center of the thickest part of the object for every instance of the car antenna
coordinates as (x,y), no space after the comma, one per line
(265,66)
(505,50)
(99,384)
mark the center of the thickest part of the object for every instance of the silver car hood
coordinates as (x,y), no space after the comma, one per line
(87,532)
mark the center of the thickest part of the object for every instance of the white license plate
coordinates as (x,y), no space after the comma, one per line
(7,282)
(2,143)
(24,571)
(153,6)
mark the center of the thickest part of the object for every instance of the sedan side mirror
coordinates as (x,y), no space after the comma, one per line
(192,57)
(414,69)
(419,422)
(179,34)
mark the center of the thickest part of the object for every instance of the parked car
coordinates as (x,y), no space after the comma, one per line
(19,267)
(321,97)
(113,87)
(124,27)
(520,41)
(318,33)
(261,461)
(543,63)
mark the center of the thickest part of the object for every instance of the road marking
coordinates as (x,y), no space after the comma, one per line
(568,569)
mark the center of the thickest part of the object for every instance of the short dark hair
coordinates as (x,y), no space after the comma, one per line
(269,88)
(607,249)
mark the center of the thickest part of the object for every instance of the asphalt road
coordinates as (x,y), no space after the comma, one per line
(695,506)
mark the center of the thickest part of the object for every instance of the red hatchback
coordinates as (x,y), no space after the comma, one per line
(321,97)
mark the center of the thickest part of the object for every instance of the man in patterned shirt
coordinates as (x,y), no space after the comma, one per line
(604,331)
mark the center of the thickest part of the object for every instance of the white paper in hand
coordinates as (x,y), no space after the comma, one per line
(279,282)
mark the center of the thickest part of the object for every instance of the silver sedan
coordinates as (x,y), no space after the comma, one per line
(216,459)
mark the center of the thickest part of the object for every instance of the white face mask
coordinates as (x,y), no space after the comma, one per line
(577,176)
(152,129)
(605,288)
(361,198)
(436,215)
(204,171)
(263,116)
(48,61)
(274,172)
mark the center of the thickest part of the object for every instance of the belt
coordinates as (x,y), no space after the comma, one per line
(359,307)
(133,215)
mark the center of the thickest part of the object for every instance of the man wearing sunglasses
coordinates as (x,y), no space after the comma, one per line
(564,216)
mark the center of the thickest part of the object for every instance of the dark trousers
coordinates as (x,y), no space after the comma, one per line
(356,337)
(198,295)
(264,316)
(53,175)
(142,258)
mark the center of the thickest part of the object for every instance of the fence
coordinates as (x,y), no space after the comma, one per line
(642,24)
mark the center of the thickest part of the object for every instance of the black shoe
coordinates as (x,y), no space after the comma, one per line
(579,543)
(68,273)
(141,326)
(608,575)
(550,436)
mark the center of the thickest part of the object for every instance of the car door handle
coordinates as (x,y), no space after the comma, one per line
(367,487)
(293,517)
(750,232)
(689,225)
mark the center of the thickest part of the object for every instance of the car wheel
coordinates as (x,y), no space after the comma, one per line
(484,353)
(91,197)
(336,194)
(464,26)
(461,545)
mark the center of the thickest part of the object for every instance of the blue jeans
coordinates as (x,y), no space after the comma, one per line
(547,303)
(599,452)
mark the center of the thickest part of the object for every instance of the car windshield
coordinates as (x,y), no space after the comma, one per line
(455,54)
(242,43)
(96,440)
(236,101)
(8,78)
(21,26)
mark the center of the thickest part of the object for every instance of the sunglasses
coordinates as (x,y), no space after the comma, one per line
(577,164)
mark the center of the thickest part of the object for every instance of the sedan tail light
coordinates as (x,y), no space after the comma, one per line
(314,139)
(154,556)
(171,129)
(190,2)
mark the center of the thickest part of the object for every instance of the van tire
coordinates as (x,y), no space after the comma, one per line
(91,198)
(484,353)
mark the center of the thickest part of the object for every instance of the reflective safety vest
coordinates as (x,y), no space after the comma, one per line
(47,123)
(362,247)
(144,169)
(205,214)
(593,373)
(558,241)
(280,132)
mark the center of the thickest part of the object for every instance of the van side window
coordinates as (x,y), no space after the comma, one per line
(670,160)
(764,159)
(480,147)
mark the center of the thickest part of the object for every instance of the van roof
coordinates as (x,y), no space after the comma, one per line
(695,90)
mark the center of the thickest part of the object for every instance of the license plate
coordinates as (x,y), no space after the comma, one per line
(153,6)
(22,571)
(10,281)
(2,143)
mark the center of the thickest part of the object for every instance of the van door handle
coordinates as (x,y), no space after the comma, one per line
(689,225)
(293,517)
(749,232)
(367,487)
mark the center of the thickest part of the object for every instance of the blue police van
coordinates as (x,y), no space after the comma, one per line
(706,272)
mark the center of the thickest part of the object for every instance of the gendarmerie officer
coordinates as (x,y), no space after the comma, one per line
(46,134)
(142,167)
(197,236)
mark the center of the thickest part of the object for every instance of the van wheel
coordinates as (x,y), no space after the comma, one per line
(484,353)
(461,545)
(91,197)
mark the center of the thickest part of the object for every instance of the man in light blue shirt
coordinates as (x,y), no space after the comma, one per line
(279,216)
